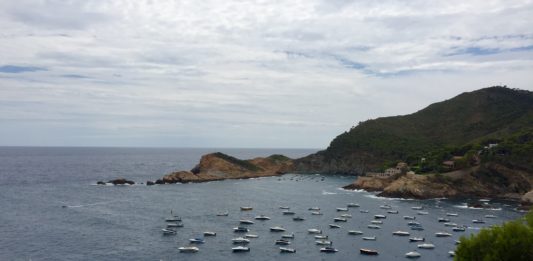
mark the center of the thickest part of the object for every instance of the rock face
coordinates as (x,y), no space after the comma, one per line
(527,199)
(489,180)
(219,166)
(121,181)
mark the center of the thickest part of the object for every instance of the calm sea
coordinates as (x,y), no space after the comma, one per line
(125,222)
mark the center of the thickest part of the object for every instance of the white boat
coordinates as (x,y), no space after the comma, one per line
(323,242)
(340,219)
(240,229)
(173,218)
(262,217)
(328,250)
(240,240)
(196,241)
(321,237)
(288,212)
(490,216)
(334,226)
(417,208)
(369,238)
(288,235)
(246,208)
(314,209)
(240,249)
(409,217)
(251,236)
(376,222)
(174,224)
(284,207)
(392,211)
(452,214)
(277,229)
(188,249)
(459,229)
(478,221)
(355,232)
(209,234)
(443,234)
(385,207)
(298,219)
(314,231)
(346,215)
(443,220)
(316,213)
(246,221)
(223,214)
(366,251)
(373,226)
(380,216)
(449,224)
(283,242)
(451,253)
(412,254)
(167,231)
(413,223)
(417,239)
(422,213)
(401,233)
(342,209)
(287,250)
(353,205)
(426,246)
(363,211)
(457,242)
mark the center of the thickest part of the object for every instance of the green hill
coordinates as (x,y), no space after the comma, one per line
(452,127)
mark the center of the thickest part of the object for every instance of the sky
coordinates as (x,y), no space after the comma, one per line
(259,74)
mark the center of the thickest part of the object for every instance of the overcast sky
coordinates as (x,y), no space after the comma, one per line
(244,73)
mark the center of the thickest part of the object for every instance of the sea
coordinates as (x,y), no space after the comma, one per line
(52,209)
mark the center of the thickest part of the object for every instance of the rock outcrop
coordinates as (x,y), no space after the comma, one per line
(119,181)
(219,166)
(488,180)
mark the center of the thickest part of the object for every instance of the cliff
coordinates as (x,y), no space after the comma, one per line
(219,166)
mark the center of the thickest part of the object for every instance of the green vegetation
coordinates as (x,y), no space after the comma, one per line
(460,126)
(242,163)
(278,158)
(511,241)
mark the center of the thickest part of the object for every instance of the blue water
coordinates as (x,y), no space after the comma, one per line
(125,222)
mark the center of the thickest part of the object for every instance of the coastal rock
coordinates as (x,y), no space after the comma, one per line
(100,183)
(150,183)
(527,199)
(121,181)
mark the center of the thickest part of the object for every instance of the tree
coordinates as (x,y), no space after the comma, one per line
(511,241)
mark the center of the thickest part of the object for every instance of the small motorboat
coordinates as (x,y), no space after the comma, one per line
(174,224)
(353,205)
(342,209)
(287,250)
(316,213)
(240,240)
(246,222)
(240,230)
(328,250)
(340,219)
(413,223)
(409,217)
(283,242)
(443,234)
(196,240)
(478,221)
(346,215)
(334,226)
(401,233)
(422,213)
(314,231)
(451,214)
(246,208)
(417,208)
(355,232)
(251,236)
(240,249)
(314,209)
(392,211)
(321,237)
(188,249)
(490,216)
(277,229)
(323,242)
(443,220)
(262,217)
(284,207)
(449,224)
(209,234)
(376,222)
(451,253)
(417,228)
(459,229)
(417,239)
(385,206)
(373,226)
(369,238)
(363,211)
(173,218)
(380,216)
(223,214)
(288,212)
(288,235)
(426,246)
(167,231)
(412,254)
(298,219)
(366,251)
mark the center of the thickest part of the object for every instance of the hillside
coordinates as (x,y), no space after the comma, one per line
(455,126)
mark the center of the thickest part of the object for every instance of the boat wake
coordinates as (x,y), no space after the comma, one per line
(91,204)
(328,193)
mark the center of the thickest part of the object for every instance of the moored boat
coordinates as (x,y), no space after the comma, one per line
(240,249)
(353,205)
(223,214)
(262,217)
(328,250)
(417,239)
(355,232)
(426,246)
(316,213)
(380,216)
(334,226)
(287,250)
(246,208)
(209,234)
(417,207)
(321,237)
(459,229)
(422,213)
(412,254)
(342,209)
(443,220)
(452,214)
(288,235)
(393,212)
(288,212)
(373,226)
(323,242)
(277,229)
(409,217)
(385,206)
(283,242)
(196,240)
(251,236)
(376,222)
(246,222)
(314,209)
(167,231)
(443,234)
(340,219)
(240,229)
(366,251)
(369,238)
(188,249)
(314,231)
(240,240)
(401,233)
(298,219)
